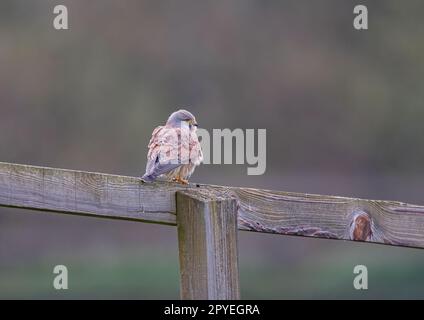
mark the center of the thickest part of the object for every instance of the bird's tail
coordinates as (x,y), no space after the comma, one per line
(148,178)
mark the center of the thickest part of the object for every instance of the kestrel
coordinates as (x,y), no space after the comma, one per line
(174,149)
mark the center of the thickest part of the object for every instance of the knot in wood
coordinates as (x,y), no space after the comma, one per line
(360,226)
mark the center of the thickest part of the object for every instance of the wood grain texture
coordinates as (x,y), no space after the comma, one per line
(207,240)
(85,193)
(119,197)
(385,222)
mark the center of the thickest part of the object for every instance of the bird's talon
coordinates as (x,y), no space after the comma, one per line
(180,181)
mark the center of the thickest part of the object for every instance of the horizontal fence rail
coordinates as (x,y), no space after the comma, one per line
(128,198)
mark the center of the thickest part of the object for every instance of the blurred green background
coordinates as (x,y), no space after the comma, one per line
(343,111)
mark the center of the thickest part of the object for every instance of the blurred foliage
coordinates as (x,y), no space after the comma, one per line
(343,109)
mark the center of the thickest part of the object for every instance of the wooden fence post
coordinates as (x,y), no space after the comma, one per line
(208,249)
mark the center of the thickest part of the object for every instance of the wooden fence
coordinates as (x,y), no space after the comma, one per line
(208,217)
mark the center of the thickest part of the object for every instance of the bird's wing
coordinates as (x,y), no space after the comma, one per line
(162,156)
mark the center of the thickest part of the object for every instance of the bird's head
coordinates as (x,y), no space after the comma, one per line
(182,118)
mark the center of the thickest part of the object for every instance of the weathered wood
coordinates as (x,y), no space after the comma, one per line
(385,222)
(207,240)
(119,197)
(85,193)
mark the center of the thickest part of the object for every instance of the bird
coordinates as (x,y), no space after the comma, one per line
(174,150)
